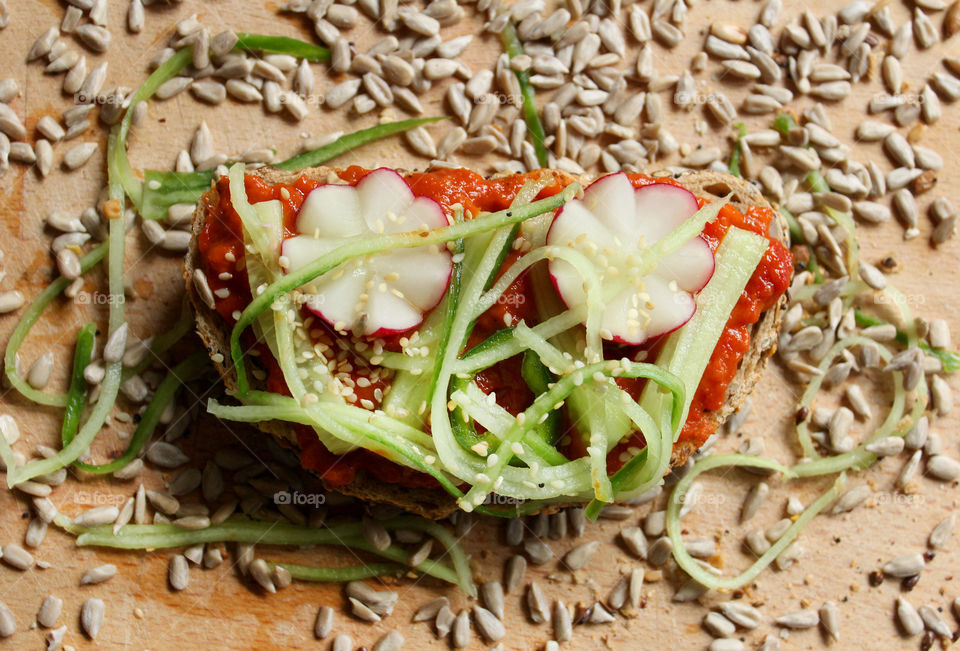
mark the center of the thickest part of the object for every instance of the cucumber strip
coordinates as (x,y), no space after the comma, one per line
(26,323)
(370,245)
(647,468)
(180,373)
(110,385)
(591,281)
(737,154)
(164,536)
(164,189)
(949,358)
(340,574)
(281,45)
(538,380)
(118,161)
(691,566)
(496,419)
(546,402)
(504,345)
(349,141)
(813,387)
(77,393)
(688,350)
(452,303)
(531,115)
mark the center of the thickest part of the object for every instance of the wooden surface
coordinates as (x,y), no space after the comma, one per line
(217,610)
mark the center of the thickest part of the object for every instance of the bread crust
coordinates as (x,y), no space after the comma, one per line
(436,504)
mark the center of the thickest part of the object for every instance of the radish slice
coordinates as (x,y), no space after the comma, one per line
(380,294)
(612,224)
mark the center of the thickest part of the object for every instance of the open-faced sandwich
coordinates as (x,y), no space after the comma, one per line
(439,340)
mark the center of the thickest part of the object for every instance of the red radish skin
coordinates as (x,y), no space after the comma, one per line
(611,224)
(379,295)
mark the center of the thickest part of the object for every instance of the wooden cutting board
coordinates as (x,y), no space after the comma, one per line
(218,609)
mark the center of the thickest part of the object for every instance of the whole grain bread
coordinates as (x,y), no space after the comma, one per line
(436,503)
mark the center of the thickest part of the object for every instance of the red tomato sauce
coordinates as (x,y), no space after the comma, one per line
(221,247)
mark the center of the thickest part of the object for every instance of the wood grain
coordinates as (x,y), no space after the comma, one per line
(218,610)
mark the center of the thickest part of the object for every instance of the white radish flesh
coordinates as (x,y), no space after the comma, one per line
(613,224)
(380,294)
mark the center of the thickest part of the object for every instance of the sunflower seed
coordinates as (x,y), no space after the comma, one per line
(10,123)
(342,643)
(61,221)
(95,37)
(562,622)
(726,644)
(97,516)
(934,622)
(460,630)
(725,50)
(514,572)
(799,619)
(166,455)
(36,531)
(871,130)
(830,619)
(886,447)
(943,467)
(908,617)
(78,155)
(718,625)
(741,614)
(324,622)
(635,541)
(580,555)
(379,602)
(491,593)
(50,611)
(260,572)
(909,469)
(98,574)
(941,533)
(41,47)
(489,626)
(537,551)
(947,86)
(770,13)
(851,499)
(537,605)
(91,617)
(17,557)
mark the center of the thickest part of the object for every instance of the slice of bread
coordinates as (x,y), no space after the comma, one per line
(436,503)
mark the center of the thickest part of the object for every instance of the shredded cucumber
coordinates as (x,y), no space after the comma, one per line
(688,350)
(694,569)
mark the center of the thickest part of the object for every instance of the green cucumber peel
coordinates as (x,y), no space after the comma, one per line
(185,370)
(688,350)
(528,99)
(77,393)
(26,323)
(281,45)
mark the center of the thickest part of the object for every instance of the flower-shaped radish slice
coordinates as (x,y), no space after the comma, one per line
(612,225)
(380,294)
